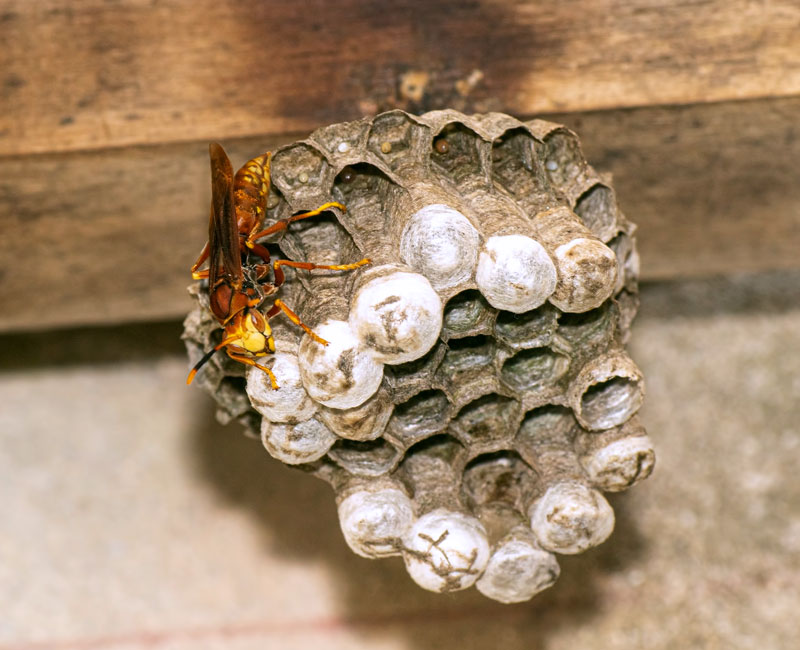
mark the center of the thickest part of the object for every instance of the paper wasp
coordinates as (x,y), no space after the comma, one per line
(236,288)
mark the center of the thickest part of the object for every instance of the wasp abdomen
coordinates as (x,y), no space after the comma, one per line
(250,189)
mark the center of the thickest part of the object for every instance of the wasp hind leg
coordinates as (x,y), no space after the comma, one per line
(199,275)
(283,224)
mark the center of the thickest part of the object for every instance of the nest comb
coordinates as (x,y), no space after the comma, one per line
(476,398)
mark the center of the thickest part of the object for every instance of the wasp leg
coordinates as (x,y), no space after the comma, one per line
(262,274)
(280,306)
(308,266)
(207,356)
(283,224)
(199,262)
(258,249)
(248,361)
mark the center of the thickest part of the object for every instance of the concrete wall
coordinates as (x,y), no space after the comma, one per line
(132,520)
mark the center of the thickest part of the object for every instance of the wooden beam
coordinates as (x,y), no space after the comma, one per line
(107,73)
(108,236)
(104,236)
(715,189)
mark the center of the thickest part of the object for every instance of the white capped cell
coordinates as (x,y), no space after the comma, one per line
(587,271)
(342,374)
(374,522)
(515,273)
(366,421)
(517,571)
(570,518)
(290,403)
(442,244)
(446,550)
(620,464)
(293,444)
(397,315)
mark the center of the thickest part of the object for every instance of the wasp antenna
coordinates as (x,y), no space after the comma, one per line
(207,356)
(200,364)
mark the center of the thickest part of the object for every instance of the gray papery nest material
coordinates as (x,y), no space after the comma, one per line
(476,398)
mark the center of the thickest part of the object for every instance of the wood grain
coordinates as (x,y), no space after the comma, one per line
(108,236)
(105,236)
(110,73)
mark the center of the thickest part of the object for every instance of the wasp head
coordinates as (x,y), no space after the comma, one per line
(256,334)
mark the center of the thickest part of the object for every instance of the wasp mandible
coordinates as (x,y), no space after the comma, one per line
(236,291)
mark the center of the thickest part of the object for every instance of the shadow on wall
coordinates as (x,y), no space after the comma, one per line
(763,293)
(436,55)
(91,345)
(299,515)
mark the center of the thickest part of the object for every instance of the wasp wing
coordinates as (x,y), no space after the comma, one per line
(223,232)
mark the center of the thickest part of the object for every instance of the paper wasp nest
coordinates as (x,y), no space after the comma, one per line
(476,398)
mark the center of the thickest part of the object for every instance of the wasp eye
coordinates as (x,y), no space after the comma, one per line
(347,175)
(257,320)
(441,145)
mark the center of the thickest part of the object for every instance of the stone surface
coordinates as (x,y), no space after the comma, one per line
(133,520)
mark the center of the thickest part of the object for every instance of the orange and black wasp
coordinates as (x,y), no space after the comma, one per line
(236,288)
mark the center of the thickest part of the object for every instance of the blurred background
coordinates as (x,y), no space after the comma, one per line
(131,519)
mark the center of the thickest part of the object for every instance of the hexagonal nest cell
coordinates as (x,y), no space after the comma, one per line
(475,399)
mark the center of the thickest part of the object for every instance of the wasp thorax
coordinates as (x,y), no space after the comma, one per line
(466,393)
(253,341)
